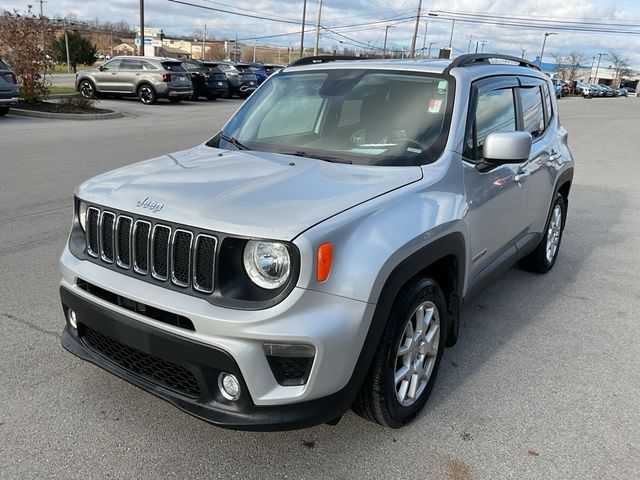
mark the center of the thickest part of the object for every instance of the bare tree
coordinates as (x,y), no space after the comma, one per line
(569,65)
(620,68)
(24,40)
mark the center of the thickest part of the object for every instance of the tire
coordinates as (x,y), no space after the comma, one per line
(175,99)
(194,98)
(543,258)
(87,89)
(147,94)
(212,98)
(4,111)
(383,400)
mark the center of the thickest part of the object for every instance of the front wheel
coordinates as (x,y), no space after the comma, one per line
(87,89)
(542,259)
(403,372)
(147,95)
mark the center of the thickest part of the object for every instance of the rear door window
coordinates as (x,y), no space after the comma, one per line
(173,67)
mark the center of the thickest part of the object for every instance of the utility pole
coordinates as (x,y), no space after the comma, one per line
(204,40)
(595,78)
(469,47)
(142,27)
(235,49)
(315,45)
(424,40)
(415,31)
(304,15)
(523,53)
(482,43)
(593,62)
(41,2)
(477,42)
(66,44)
(384,48)
(255,42)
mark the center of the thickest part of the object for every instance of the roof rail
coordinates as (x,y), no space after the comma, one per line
(324,59)
(471,59)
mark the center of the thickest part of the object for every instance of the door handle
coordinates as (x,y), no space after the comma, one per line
(521,176)
(554,157)
(114,73)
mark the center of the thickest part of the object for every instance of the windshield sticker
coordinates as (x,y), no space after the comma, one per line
(442,86)
(434,105)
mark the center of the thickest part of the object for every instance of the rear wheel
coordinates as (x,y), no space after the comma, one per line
(542,259)
(87,89)
(404,369)
(147,95)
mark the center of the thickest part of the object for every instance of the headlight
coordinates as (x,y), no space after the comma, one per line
(267,263)
(82,215)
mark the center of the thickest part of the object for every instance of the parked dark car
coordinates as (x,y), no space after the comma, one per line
(242,82)
(207,79)
(9,95)
(272,68)
(257,68)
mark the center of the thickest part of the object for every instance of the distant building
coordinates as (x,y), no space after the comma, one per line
(125,49)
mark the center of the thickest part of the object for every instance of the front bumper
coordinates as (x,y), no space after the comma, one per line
(9,101)
(335,326)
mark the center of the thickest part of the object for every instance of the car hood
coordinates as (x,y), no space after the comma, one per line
(246,193)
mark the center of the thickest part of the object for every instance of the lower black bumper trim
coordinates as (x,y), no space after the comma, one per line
(204,361)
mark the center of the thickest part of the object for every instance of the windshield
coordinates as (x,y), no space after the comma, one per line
(359,116)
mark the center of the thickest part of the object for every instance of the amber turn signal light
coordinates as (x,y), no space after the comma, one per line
(325,255)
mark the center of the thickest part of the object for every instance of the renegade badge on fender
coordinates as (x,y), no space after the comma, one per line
(315,254)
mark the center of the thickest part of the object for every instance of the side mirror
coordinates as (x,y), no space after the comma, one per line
(507,147)
(101,68)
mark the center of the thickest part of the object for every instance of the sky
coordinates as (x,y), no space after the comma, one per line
(370,17)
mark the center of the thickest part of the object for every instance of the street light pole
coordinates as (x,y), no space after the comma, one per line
(424,40)
(595,78)
(453,24)
(415,31)
(429,51)
(384,48)
(544,42)
(304,17)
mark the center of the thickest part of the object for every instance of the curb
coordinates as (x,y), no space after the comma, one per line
(66,116)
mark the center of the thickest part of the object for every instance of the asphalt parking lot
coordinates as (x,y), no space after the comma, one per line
(543,384)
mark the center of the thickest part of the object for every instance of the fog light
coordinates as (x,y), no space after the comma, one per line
(229,386)
(72,319)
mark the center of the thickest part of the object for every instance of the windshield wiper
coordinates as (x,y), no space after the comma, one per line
(234,141)
(321,157)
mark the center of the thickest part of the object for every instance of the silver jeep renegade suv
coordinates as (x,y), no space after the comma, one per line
(315,255)
(148,78)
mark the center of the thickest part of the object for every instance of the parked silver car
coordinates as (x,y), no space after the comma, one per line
(148,78)
(316,254)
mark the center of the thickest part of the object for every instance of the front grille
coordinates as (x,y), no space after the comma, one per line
(160,255)
(164,253)
(160,371)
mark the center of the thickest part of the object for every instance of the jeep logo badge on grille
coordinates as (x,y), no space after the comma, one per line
(155,207)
